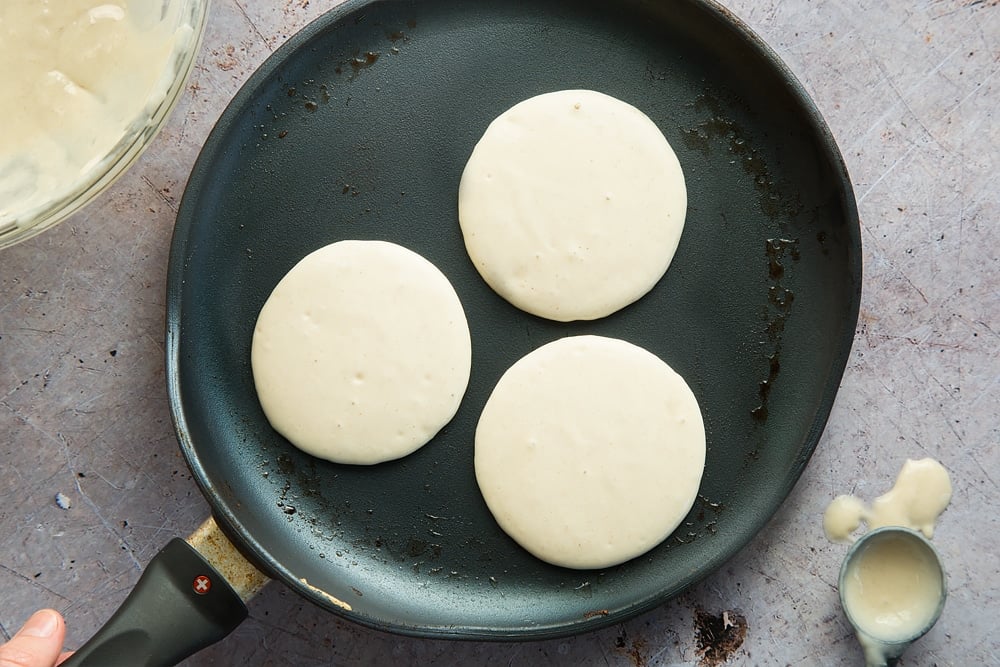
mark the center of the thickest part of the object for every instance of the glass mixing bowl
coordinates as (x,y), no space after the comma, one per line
(23,216)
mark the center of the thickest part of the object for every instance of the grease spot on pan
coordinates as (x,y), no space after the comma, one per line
(780,299)
(718,131)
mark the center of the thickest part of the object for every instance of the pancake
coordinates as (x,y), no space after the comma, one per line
(361,353)
(572,205)
(590,451)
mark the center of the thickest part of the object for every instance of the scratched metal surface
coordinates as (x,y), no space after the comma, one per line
(909,90)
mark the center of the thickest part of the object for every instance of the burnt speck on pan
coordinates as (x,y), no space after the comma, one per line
(358,62)
(364,61)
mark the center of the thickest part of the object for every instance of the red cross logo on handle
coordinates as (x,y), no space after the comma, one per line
(202,584)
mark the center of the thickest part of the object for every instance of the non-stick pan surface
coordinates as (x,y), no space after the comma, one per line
(359,128)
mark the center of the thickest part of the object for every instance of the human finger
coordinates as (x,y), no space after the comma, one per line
(38,643)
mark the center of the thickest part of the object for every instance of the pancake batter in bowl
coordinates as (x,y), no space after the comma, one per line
(78,78)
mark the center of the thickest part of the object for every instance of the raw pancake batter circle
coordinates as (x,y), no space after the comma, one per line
(572,205)
(361,353)
(590,451)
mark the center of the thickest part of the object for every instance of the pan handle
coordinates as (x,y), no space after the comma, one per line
(180,605)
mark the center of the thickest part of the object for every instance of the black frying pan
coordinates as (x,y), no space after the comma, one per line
(359,128)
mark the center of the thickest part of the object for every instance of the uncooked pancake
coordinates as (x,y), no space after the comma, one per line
(590,451)
(572,205)
(361,353)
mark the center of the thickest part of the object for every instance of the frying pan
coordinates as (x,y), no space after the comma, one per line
(359,128)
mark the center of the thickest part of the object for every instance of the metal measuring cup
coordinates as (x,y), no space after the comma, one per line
(880,651)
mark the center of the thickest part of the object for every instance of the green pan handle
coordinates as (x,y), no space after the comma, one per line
(180,605)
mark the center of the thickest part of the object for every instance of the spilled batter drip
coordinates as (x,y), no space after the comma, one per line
(921,493)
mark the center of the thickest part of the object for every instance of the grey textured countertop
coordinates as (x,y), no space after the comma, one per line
(910,92)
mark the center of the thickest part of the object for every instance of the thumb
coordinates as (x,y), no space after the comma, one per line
(37,644)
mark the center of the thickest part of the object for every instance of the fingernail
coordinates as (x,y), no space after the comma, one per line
(41,624)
